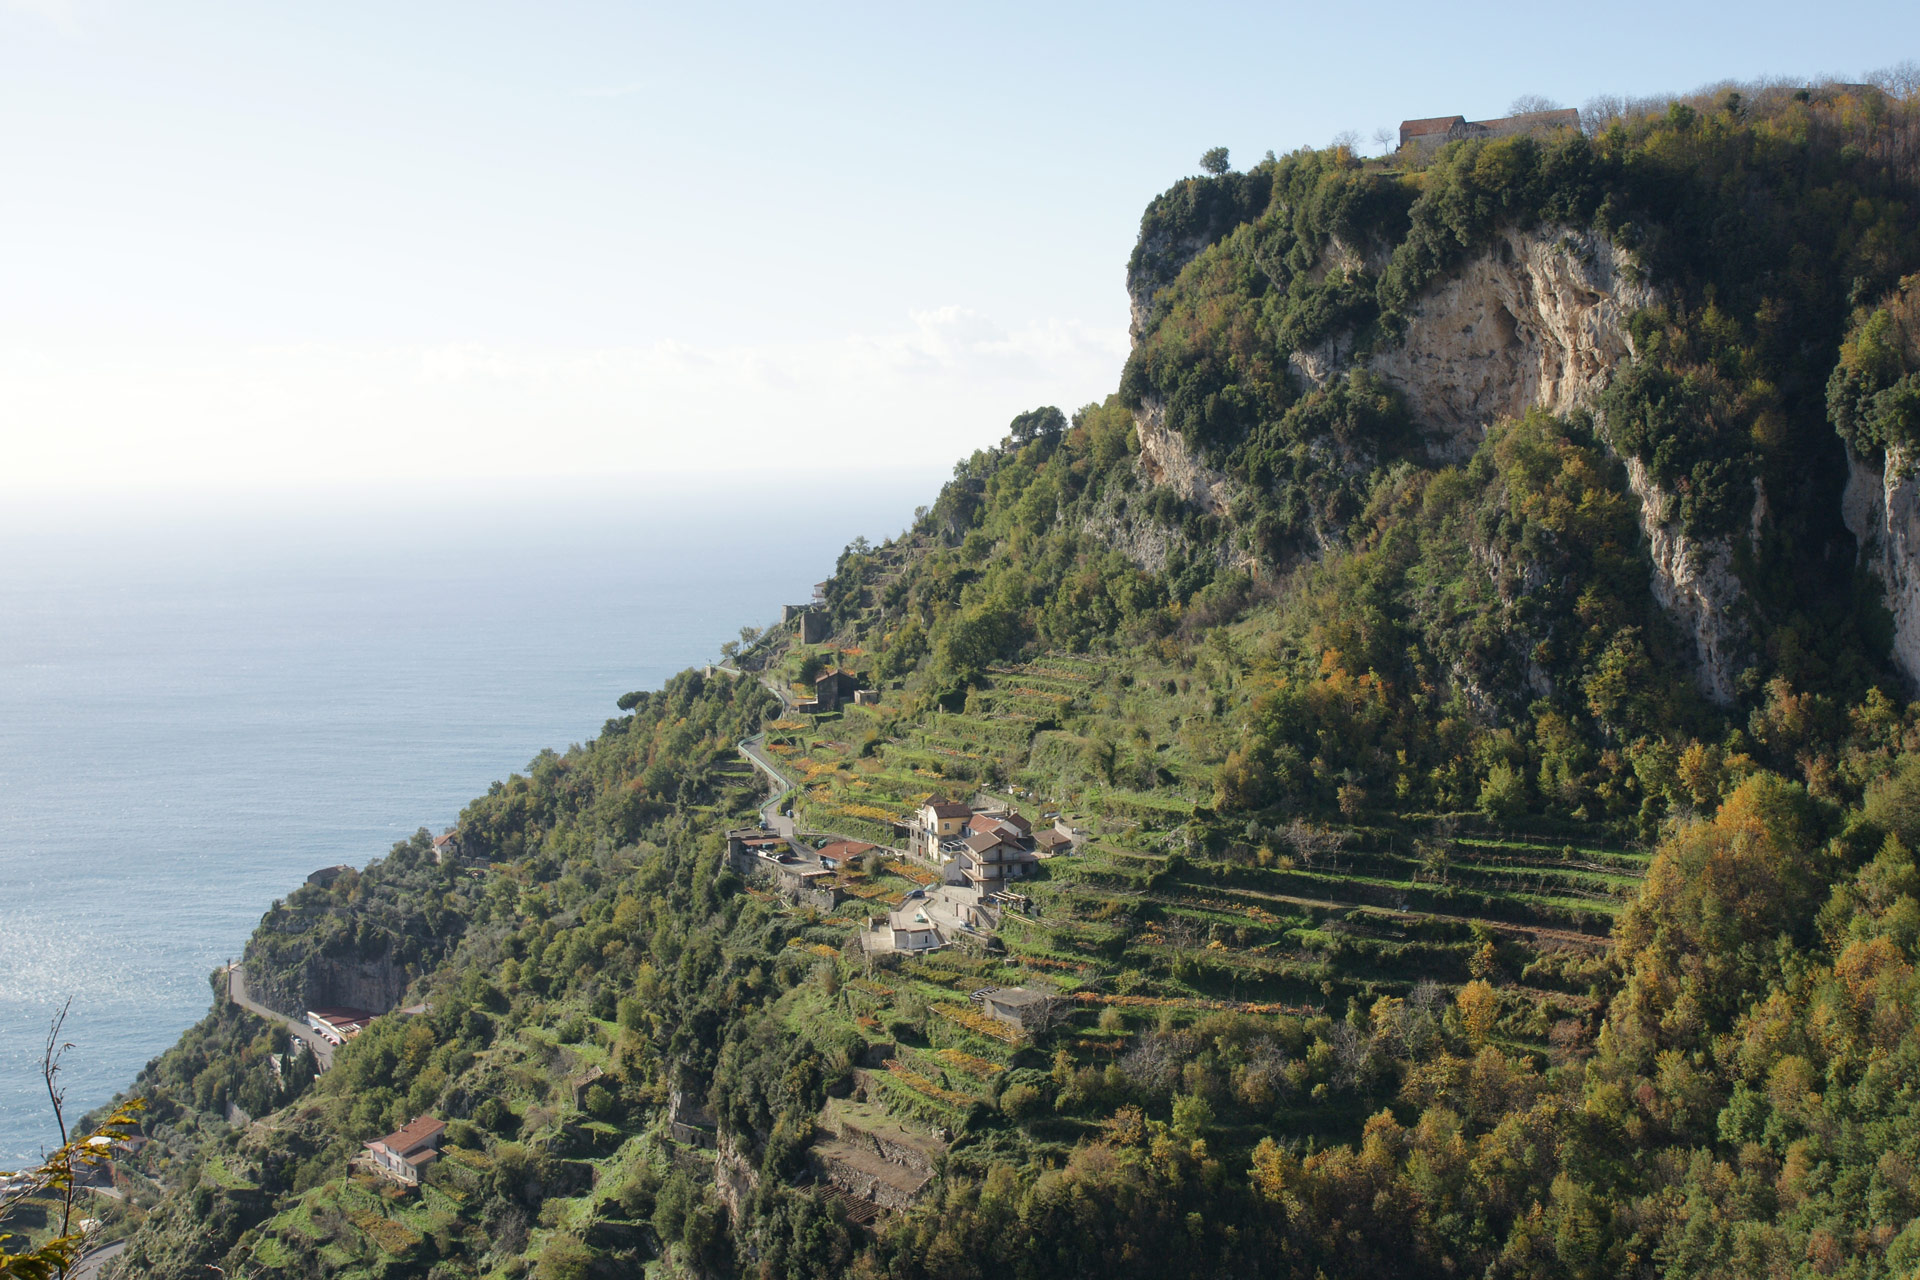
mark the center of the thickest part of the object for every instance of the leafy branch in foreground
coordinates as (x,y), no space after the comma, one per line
(59,1172)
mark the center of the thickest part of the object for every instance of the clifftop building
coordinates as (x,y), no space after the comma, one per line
(1436,131)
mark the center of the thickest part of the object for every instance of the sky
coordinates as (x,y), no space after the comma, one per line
(258,247)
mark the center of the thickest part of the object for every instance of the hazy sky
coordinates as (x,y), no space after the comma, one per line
(266,244)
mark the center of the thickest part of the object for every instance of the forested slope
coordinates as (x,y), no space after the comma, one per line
(1494,749)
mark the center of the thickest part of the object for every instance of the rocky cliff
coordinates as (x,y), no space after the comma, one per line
(1537,319)
(1881,506)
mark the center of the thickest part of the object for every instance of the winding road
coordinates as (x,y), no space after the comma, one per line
(322,1048)
(90,1266)
(770,816)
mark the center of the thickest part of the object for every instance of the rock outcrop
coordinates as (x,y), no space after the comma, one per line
(1165,459)
(1881,507)
(1539,320)
(1694,581)
(1536,320)
(323,980)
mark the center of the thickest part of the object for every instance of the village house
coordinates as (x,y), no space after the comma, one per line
(991,854)
(1050,843)
(839,853)
(750,849)
(337,1026)
(930,918)
(800,876)
(937,822)
(325,876)
(446,846)
(1062,837)
(404,1153)
(1436,131)
(907,928)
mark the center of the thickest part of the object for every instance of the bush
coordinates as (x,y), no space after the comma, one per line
(1020,1101)
(495,1116)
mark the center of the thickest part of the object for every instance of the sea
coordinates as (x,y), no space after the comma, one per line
(205,697)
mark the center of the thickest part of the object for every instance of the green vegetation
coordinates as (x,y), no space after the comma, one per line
(1427,918)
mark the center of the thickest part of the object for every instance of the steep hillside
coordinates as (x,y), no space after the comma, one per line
(1464,670)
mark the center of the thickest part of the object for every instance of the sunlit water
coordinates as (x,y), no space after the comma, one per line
(198,707)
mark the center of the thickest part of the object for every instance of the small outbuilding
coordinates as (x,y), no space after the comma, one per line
(1019,1007)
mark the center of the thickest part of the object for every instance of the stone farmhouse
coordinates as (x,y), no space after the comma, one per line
(1435,132)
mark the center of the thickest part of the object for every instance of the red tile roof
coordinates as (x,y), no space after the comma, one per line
(409,1137)
(1432,124)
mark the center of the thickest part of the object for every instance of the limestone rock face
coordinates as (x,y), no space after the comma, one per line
(1881,507)
(1165,459)
(1694,581)
(375,984)
(1538,319)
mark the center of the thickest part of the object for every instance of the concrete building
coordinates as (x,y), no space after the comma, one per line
(338,1025)
(987,860)
(936,822)
(931,918)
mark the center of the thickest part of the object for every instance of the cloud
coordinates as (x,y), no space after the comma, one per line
(925,391)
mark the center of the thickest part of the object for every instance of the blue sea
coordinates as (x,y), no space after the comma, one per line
(203,699)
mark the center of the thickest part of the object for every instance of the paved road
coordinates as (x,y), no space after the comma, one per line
(781,691)
(88,1268)
(770,815)
(322,1050)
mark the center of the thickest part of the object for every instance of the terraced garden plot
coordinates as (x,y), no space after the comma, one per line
(1493,872)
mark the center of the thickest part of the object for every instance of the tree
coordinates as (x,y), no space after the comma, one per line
(1310,842)
(1214,160)
(1528,103)
(1043,423)
(59,1172)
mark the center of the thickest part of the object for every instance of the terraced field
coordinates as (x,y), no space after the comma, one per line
(1161,914)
